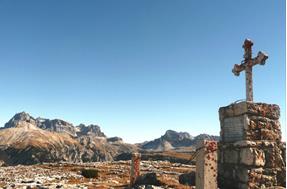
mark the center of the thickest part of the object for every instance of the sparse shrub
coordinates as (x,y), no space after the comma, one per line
(90,173)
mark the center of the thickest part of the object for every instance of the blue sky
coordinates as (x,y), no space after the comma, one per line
(137,68)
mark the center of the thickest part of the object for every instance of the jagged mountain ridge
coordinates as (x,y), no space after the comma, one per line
(26,140)
(56,125)
(172,140)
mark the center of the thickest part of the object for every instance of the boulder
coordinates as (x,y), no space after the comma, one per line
(187,178)
(148,179)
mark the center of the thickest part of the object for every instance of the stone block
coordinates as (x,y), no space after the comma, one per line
(271,111)
(233,128)
(252,155)
(206,165)
(247,156)
(135,168)
(274,157)
(245,143)
(242,186)
(229,173)
(281,177)
(259,158)
(267,134)
(252,125)
(231,156)
(242,174)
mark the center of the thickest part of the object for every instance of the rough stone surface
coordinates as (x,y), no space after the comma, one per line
(253,156)
(206,165)
(135,168)
(271,111)
(148,179)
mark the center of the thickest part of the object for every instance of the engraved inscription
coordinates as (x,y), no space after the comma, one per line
(233,128)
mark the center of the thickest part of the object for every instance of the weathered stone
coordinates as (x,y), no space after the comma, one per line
(271,111)
(231,156)
(206,165)
(274,157)
(242,174)
(281,177)
(233,128)
(247,156)
(244,143)
(269,135)
(148,179)
(135,168)
(259,158)
(252,125)
(242,186)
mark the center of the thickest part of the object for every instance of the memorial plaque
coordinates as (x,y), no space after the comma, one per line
(233,128)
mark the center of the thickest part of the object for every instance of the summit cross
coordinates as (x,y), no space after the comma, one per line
(247,65)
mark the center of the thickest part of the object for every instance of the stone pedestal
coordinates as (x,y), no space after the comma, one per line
(251,154)
(206,165)
(135,168)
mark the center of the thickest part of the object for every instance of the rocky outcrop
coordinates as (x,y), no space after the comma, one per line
(56,125)
(19,119)
(90,130)
(187,178)
(148,179)
(115,139)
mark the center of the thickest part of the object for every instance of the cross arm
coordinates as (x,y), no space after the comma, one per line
(259,59)
(238,68)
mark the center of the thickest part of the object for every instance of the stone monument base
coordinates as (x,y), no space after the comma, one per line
(251,154)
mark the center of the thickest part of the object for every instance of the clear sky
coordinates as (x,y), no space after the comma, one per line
(137,68)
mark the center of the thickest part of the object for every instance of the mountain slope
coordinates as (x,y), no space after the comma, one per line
(24,140)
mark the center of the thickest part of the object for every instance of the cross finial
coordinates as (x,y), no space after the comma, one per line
(247,65)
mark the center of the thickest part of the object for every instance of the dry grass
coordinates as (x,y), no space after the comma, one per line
(111,174)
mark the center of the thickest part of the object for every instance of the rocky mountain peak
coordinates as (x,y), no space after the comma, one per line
(173,139)
(26,140)
(171,135)
(19,118)
(56,125)
(92,130)
(22,116)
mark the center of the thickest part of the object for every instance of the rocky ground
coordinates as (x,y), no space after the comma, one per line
(111,175)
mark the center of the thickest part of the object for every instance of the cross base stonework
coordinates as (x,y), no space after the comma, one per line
(251,154)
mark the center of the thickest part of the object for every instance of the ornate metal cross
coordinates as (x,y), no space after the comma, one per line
(247,65)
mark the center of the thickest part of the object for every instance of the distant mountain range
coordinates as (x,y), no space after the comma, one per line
(26,140)
(172,140)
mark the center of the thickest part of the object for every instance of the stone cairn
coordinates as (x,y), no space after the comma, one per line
(251,154)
